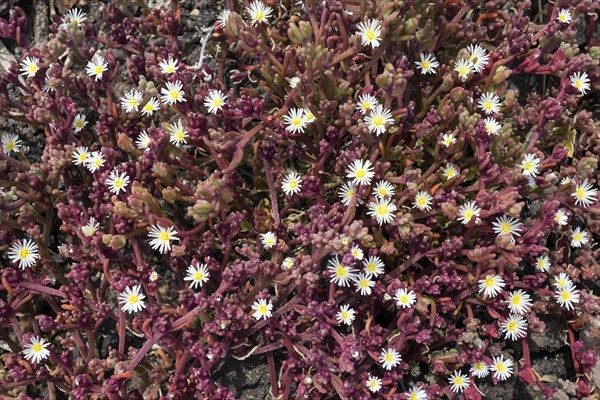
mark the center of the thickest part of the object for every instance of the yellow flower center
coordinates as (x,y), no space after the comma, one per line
(364,283)
(37,347)
(421,201)
(98,70)
(578,84)
(378,120)
(169,69)
(382,209)
(361,173)
(148,107)
(133,102)
(562,18)
(217,102)
(344,315)
(365,106)
(198,276)
(164,236)
(463,71)
(516,300)
(10,145)
(413,396)
(500,367)
(33,68)
(565,295)
(341,271)
(425,64)
(371,34)
(174,94)
(403,299)
(577,237)
(259,16)
(23,253)
(179,134)
(389,357)
(293,184)
(580,193)
(489,281)
(133,299)
(469,214)
(118,183)
(297,121)
(528,166)
(511,326)
(458,381)
(262,309)
(505,227)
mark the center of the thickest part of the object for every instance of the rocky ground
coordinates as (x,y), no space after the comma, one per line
(249,379)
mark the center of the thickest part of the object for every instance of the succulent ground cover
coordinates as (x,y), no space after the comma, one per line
(357,192)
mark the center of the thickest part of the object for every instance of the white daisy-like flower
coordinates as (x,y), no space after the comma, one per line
(162,237)
(29,67)
(79,122)
(542,263)
(173,93)
(405,298)
(567,180)
(585,194)
(448,139)
(489,103)
(364,284)
(373,266)
(463,67)
(259,13)
(214,101)
(506,225)
(416,393)
(428,63)
(478,56)
(197,275)
(345,315)
(96,67)
(268,239)
(357,252)
(370,33)
(168,66)
(347,192)
(309,116)
(132,299)
(131,101)
(450,171)
(567,296)
(382,210)
(153,276)
(95,161)
(373,384)
(117,181)
(459,381)
(580,81)
(90,228)
(378,119)
(530,165)
(383,189)
(341,274)
(150,107)
(295,120)
(177,133)
(519,302)
(561,217)
(492,127)
(501,368)
(564,16)
(36,350)
(25,252)
(491,285)
(515,327)
(562,281)
(361,172)
(294,81)
(287,263)
(480,369)
(468,211)
(389,358)
(579,237)
(423,201)
(292,184)
(10,143)
(262,309)
(222,17)
(367,102)
(75,15)
(143,141)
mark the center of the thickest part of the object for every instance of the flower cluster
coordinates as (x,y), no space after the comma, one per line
(365,194)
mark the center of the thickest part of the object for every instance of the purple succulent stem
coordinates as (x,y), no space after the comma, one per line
(122,329)
(141,353)
(42,289)
(272,191)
